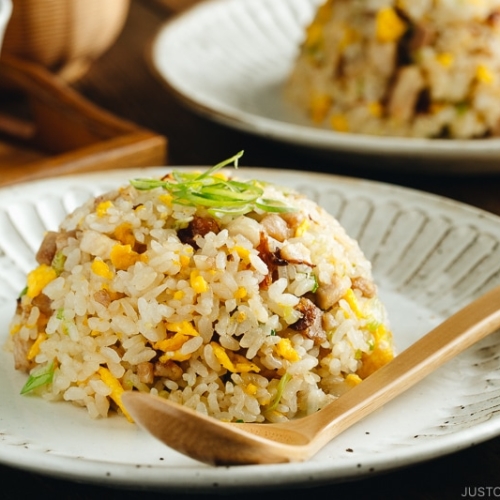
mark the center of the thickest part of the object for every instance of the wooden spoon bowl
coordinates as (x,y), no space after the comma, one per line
(214,442)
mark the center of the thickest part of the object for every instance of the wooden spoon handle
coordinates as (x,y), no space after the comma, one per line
(451,337)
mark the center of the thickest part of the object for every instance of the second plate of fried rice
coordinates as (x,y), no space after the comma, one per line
(231,61)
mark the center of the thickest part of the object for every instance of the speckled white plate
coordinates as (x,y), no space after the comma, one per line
(430,256)
(228,60)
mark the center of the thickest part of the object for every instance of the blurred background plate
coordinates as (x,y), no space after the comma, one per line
(228,61)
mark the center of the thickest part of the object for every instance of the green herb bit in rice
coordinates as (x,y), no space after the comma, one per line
(39,377)
(215,192)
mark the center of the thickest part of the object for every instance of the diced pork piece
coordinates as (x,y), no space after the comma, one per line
(328,295)
(199,226)
(47,249)
(383,57)
(310,324)
(103,297)
(293,220)
(276,227)
(404,96)
(422,35)
(145,372)
(170,370)
(296,253)
(21,348)
(271,258)
(366,287)
(43,303)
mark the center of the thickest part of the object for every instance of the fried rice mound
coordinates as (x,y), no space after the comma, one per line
(259,311)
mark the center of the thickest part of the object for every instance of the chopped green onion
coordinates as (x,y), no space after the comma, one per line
(41,376)
(279,392)
(24,291)
(58,262)
(218,195)
(316,283)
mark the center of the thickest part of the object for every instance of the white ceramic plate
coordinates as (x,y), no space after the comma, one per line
(430,257)
(228,60)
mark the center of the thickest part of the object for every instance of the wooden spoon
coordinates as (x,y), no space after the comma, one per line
(214,442)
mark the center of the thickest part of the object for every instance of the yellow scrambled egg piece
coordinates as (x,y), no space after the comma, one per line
(285,350)
(35,347)
(39,278)
(381,354)
(101,269)
(124,233)
(184,327)
(302,228)
(350,298)
(102,208)
(389,26)
(251,389)
(353,379)
(242,252)
(319,107)
(484,74)
(314,34)
(171,346)
(166,199)
(445,59)
(339,123)
(375,109)
(116,390)
(235,363)
(241,293)
(198,283)
(122,256)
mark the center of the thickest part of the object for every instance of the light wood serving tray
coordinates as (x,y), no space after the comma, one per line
(48,129)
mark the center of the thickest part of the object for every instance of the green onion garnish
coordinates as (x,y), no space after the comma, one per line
(218,195)
(279,392)
(39,377)
(58,263)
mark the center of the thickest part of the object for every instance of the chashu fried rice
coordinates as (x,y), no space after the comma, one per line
(413,68)
(242,300)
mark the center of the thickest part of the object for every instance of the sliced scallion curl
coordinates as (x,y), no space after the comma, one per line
(220,196)
(269,205)
(234,211)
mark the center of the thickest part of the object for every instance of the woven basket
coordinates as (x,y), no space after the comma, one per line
(65,36)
